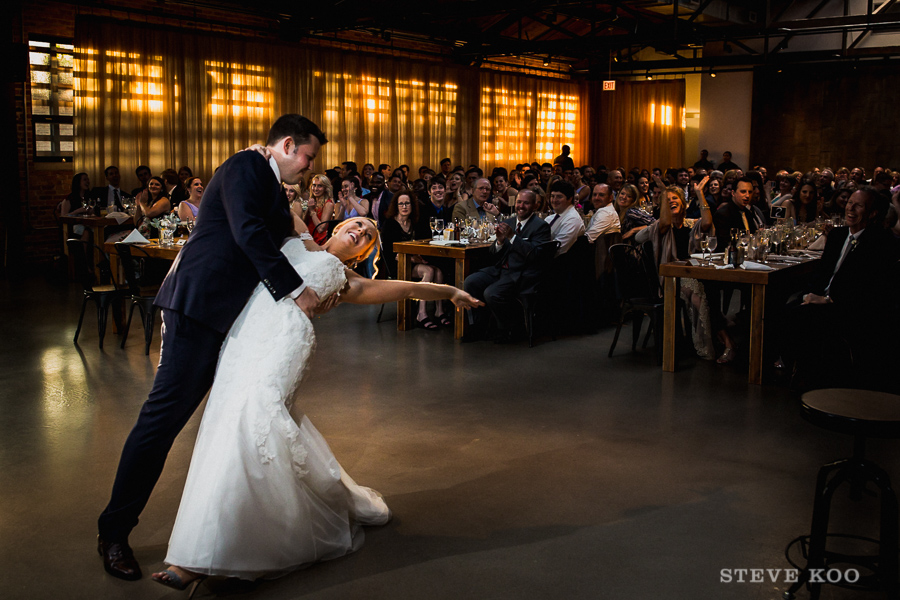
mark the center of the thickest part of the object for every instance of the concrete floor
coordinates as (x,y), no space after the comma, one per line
(552,472)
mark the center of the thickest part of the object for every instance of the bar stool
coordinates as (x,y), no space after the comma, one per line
(862,414)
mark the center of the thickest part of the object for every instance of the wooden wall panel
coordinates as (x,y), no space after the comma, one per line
(826,115)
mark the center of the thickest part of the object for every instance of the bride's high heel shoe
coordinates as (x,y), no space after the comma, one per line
(170,578)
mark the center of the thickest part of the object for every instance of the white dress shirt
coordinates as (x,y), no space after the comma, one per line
(565,228)
(296,293)
(605,220)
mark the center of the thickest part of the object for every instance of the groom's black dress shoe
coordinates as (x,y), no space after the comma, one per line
(118,560)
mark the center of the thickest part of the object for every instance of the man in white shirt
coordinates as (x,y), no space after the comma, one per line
(605,219)
(565,224)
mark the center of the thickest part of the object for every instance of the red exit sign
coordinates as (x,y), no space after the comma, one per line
(609,86)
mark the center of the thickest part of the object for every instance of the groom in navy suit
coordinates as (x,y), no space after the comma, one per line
(234,245)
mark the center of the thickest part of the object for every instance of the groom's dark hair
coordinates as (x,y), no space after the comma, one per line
(298,128)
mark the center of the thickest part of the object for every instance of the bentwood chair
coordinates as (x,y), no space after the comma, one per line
(141,295)
(105,296)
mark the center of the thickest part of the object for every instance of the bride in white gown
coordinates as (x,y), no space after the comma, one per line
(264,494)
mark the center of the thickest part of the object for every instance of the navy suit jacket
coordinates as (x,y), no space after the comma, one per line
(235,245)
(863,281)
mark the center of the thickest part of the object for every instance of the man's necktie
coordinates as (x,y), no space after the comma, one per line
(116,193)
(518,228)
(553,220)
(744,218)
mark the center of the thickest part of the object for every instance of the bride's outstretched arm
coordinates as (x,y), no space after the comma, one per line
(360,290)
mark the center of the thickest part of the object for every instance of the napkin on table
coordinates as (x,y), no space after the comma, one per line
(135,237)
(120,217)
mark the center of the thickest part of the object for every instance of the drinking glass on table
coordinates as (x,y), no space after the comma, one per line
(711,243)
(439,228)
(704,244)
(431,222)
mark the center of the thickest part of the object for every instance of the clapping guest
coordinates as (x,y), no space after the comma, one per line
(190,208)
(402,224)
(351,205)
(515,269)
(155,204)
(319,207)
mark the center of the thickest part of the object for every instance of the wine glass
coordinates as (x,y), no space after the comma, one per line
(431,222)
(704,245)
(439,228)
(711,243)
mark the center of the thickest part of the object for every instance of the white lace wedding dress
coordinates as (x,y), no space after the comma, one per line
(264,494)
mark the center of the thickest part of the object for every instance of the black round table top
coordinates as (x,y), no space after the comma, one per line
(854,412)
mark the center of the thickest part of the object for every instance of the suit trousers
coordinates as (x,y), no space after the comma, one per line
(499,294)
(187,366)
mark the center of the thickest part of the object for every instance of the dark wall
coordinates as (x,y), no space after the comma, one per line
(826,115)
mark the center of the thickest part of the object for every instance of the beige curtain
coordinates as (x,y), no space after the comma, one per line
(640,124)
(524,119)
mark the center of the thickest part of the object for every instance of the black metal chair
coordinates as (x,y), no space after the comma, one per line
(535,302)
(105,296)
(639,294)
(135,271)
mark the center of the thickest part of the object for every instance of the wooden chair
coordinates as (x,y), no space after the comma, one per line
(141,295)
(639,295)
(103,295)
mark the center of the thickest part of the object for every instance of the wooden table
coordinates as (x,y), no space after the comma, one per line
(153,250)
(463,256)
(95,224)
(759,280)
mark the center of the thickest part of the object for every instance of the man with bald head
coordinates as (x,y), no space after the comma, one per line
(515,270)
(605,219)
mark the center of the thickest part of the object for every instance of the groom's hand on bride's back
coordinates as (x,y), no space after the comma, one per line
(308,301)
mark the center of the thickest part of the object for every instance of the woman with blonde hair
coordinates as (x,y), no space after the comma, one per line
(319,207)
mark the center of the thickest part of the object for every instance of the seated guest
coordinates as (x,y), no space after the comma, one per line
(582,191)
(605,220)
(435,207)
(503,193)
(805,206)
(76,204)
(631,218)
(515,270)
(739,213)
(566,225)
(351,205)
(190,208)
(174,190)
(839,199)
(153,205)
(479,205)
(319,207)
(379,198)
(455,192)
(143,174)
(109,197)
(402,224)
(367,172)
(786,184)
(531,182)
(851,293)
(675,237)
(185,173)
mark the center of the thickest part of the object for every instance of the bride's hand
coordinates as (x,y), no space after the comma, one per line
(462,299)
(265,152)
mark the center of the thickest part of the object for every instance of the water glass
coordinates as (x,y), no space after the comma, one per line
(166,236)
(439,228)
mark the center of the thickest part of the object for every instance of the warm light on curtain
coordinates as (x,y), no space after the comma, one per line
(524,119)
(640,124)
(167,99)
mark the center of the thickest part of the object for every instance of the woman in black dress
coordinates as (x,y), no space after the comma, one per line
(402,224)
